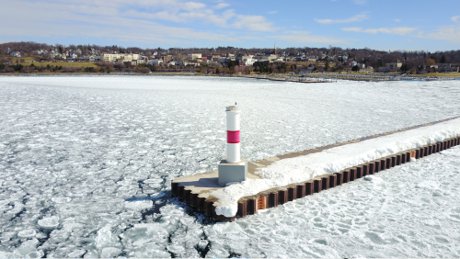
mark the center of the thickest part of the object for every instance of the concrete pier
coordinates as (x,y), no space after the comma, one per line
(195,190)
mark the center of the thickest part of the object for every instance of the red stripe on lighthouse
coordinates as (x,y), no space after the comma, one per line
(233,136)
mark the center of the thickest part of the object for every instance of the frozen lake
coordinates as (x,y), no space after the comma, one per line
(85,166)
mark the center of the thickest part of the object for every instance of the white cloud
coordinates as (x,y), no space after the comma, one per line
(455,18)
(179,12)
(89,19)
(193,5)
(226,19)
(144,23)
(356,18)
(446,33)
(306,38)
(178,16)
(184,12)
(253,23)
(221,5)
(92,12)
(384,30)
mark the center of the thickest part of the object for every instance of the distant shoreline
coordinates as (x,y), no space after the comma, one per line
(307,78)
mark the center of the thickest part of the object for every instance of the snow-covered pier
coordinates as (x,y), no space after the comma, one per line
(275,181)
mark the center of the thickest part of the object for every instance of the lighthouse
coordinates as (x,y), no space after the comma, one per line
(232,169)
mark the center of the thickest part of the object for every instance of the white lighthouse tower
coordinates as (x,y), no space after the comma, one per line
(232,169)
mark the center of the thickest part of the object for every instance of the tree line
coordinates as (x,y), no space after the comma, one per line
(332,59)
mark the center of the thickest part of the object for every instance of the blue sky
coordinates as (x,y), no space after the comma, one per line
(385,25)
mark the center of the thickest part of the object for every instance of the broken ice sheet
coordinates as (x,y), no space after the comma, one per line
(77,148)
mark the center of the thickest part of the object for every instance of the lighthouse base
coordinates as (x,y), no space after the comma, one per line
(232,172)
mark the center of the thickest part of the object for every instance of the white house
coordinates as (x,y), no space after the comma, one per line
(272,58)
(248,60)
(112,57)
(116,57)
(195,56)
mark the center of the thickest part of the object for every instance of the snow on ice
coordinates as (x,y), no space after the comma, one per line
(86,162)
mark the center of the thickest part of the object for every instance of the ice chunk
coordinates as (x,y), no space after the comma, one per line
(110,252)
(138,205)
(77,253)
(49,223)
(27,233)
(105,237)
(4,254)
(176,249)
(29,249)
(202,244)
